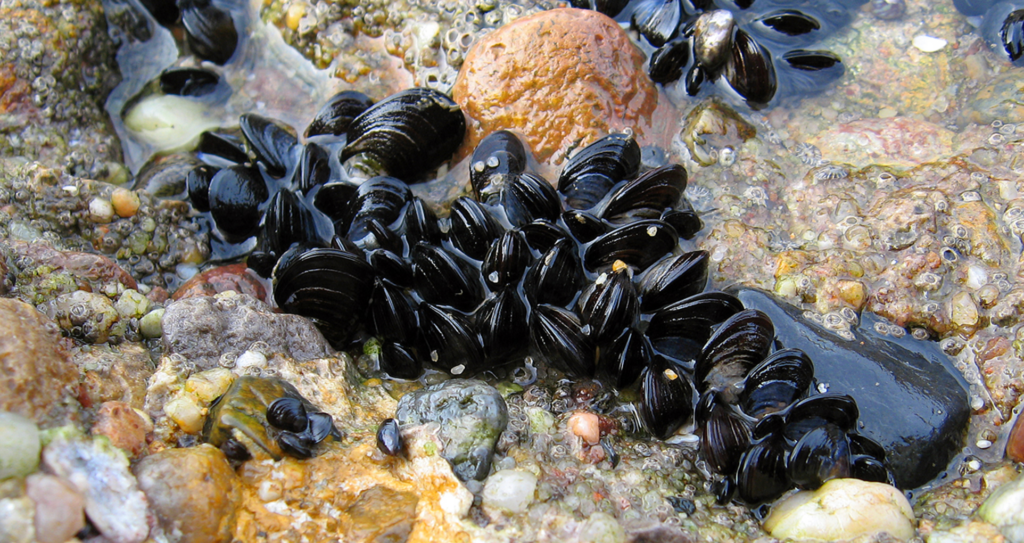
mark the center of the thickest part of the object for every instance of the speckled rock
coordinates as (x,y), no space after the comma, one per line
(899,142)
(562,78)
(60,508)
(193,492)
(236,277)
(94,272)
(99,471)
(85,315)
(471,414)
(37,380)
(125,428)
(113,373)
(203,329)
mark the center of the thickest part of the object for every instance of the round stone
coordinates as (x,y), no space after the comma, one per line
(19,445)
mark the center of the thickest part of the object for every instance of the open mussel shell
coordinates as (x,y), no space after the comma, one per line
(209,30)
(391,313)
(556,276)
(657,20)
(326,284)
(337,114)
(724,435)
(235,196)
(684,219)
(666,397)
(197,183)
(776,382)
(442,278)
(507,260)
(820,455)
(557,337)
(681,328)
(471,228)
(625,358)
(496,162)
(672,279)
(421,223)
(409,133)
(188,81)
(449,340)
(588,175)
(287,414)
(382,198)
(400,361)
(667,62)
(750,71)
(528,197)
(502,322)
(610,305)
(739,344)
(638,244)
(314,168)
(271,142)
(761,475)
(647,196)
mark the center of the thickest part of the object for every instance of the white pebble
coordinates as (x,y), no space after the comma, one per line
(101,211)
(510,489)
(929,44)
(842,509)
(249,359)
(19,445)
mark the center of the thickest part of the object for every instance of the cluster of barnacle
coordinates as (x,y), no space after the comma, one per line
(1002,25)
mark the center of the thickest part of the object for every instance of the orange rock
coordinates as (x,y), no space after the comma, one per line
(561,78)
(1015,444)
(125,428)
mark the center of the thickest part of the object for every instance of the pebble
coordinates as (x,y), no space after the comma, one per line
(124,427)
(929,44)
(19,445)
(38,382)
(561,78)
(132,304)
(585,425)
(471,413)
(510,489)
(60,508)
(125,202)
(16,520)
(842,509)
(1015,443)
(99,471)
(86,315)
(193,492)
(1004,508)
(236,277)
(100,211)
(151,325)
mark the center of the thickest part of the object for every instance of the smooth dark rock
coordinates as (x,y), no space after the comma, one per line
(912,400)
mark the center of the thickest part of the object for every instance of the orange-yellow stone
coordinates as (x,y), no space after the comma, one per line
(561,78)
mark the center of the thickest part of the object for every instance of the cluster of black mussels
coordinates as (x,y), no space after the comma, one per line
(760,48)
(1002,25)
(587,276)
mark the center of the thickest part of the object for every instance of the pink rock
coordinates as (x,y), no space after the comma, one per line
(898,141)
(60,509)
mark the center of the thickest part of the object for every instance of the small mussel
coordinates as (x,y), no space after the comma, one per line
(266,416)
(389,438)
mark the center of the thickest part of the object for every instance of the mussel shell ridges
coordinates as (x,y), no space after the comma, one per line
(337,114)
(666,397)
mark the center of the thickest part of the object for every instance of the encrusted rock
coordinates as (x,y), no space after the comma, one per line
(1015,443)
(382,514)
(60,508)
(471,415)
(113,373)
(37,380)
(193,492)
(899,141)
(562,78)
(204,328)
(123,426)
(85,315)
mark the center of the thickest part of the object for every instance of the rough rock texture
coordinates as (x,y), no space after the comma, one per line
(236,277)
(1005,509)
(562,78)
(899,141)
(1015,442)
(36,379)
(123,426)
(193,492)
(113,373)
(205,328)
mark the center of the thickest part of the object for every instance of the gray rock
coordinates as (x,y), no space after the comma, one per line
(471,413)
(204,327)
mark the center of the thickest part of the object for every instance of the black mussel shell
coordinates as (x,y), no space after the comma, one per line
(391,313)
(421,223)
(583,226)
(776,382)
(391,266)
(236,194)
(867,468)
(625,358)
(789,22)
(542,234)
(672,279)
(529,197)
(971,8)
(337,114)
(502,322)
(471,228)
(657,20)
(638,244)
(695,77)
(556,276)
(811,61)
(838,409)
(667,62)
(188,81)
(299,445)
(197,182)
(724,436)
(287,221)
(610,305)
(761,475)
(442,278)
(507,260)
(610,8)
(235,450)
(332,200)
(681,328)
(389,439)
(750,71)
(314,168)
(399,361)
(590,173)
(820,455)
(449,340)
(271,142)
(210,31)
(223,146)
(666,397)
(1011,36)
(382,198)
(164,11)
(409,133)
(496,162)
(812,70)
(684,219)
(739,344)
(321,425)
(557,337)
(379,236)
(287,414)
(647,196)
(330,285)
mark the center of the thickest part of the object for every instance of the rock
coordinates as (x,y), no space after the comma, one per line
(99,471)
(236,277)
(1015,442)
(713,125)
(194,493)
(100,273)
(509,489)
(19,445)
(60,509)
(562,78)
(842,509)
(602,528)
(912,401)
(1004,508)
(114,373)
(38,382)
(16,524)
(471,414)
(898,141)
(204,328)
(382,514)
(151,325)
(123,426)
(84,315)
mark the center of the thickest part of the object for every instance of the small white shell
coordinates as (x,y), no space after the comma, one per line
(929,44)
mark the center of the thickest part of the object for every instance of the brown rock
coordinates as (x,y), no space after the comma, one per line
(125,428)
(1015,443)
(113,373)
(236,277)
(92,271)
(562,78)
(36,380)
(193,492)
(60,508)
(382,514)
